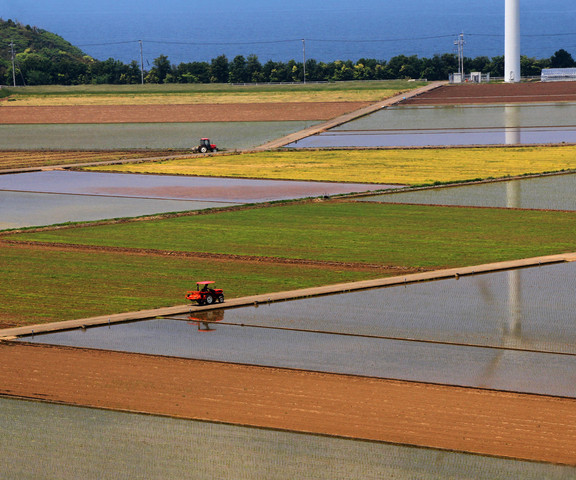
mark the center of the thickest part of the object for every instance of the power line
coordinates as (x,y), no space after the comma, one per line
(108,43)
(268,42)
(380,40)
(322,40)
(13,66)
(224,43)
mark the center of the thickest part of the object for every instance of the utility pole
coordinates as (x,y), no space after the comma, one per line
(141,63)
(304,57)
(460,44)
(13,63)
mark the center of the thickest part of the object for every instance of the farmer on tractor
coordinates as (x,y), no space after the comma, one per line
(205,146)
(204,295)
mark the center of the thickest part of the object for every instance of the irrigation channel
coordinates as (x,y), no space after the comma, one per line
(511,331)
(414,126)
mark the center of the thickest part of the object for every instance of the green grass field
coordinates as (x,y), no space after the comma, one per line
(396,166)
(44,285)
(400,235)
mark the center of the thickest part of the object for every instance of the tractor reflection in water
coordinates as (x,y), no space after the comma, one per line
(205,320)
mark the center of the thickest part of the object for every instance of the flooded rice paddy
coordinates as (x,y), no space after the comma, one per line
(145,446)
(555,192)
(403,126)
(508,331)
(210,189)
(51,197)
(227,135)
(25,209)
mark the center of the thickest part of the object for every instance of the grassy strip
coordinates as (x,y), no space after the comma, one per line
(42,285)
(212,93)
(399,166)
(400,235)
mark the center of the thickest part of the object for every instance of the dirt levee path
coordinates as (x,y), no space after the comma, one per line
(490,93)
(250,112)
(487,422)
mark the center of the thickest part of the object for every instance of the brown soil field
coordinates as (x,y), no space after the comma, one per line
(530,427)
(251,112)
(487,93)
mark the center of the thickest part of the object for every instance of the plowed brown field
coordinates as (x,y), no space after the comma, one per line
(487,422)
(488,93)
(250,112)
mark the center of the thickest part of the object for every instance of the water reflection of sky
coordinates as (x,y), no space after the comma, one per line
(454,125)
(24,209)
(173,187)
(454,136)
(467,116)
(527,314)
(556,192)
(50,197)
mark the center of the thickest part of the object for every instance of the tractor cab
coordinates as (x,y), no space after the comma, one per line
(205,146)
(204,294)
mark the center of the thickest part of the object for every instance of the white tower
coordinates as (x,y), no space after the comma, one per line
(512,41)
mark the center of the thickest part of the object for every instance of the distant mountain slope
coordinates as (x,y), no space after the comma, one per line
(41,57)
(29,39)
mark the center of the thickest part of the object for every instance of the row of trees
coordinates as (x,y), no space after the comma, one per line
(44,58)
(38,69)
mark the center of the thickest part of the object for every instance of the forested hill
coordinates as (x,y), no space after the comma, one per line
(45,55)
(34,40)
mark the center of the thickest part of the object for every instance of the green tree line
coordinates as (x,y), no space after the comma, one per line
(44,58)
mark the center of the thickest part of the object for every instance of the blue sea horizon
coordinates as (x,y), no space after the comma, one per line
(338,30)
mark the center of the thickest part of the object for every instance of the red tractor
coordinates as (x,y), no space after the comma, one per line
(205,146)
(204,295)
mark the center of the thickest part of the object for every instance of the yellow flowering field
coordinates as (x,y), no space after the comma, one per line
(398,166)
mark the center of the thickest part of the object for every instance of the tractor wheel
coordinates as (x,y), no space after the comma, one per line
(215,149)
(209,300)
(221,298)
(203,149)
